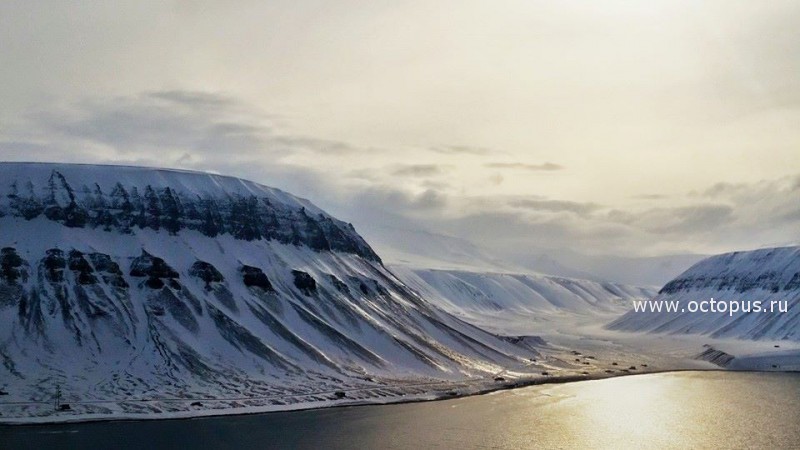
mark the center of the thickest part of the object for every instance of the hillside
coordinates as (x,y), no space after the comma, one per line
(521,303)
(131,286)
(765,276)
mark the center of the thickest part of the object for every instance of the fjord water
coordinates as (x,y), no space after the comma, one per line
(668,410)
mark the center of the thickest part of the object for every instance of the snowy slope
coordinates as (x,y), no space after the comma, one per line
(122,282)
(510,303)
(765,275)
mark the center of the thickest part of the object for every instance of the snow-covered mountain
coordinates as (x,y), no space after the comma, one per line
(124,282)
(765,276)
(409,246)
(518,303)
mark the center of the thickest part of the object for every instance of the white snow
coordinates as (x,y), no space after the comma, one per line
(186,182)
(520,303)
(139,350)
(765,275)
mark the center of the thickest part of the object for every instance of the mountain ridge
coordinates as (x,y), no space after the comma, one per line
(141,198)
(763,275)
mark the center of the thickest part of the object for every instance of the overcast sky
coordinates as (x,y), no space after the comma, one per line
(618,127)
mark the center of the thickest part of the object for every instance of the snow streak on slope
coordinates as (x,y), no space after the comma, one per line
(510,303)
(204,286)
(764,275)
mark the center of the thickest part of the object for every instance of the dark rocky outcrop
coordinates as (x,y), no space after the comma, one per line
(369,286)
(255,277)
(12,268)
(53,265)
(148,265)
(206,272)
(108,269)
(382,291)
(794,283)
(304,282)
(715,356)
(84,272)
(339,284)
(155,269)
(13,272)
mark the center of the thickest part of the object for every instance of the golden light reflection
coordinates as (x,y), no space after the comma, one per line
(621,412)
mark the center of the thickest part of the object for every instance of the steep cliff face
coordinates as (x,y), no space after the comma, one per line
(126,199)
(119,282)
(770,277)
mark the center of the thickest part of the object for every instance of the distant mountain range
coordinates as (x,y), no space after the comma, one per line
(520,302)
(406,246)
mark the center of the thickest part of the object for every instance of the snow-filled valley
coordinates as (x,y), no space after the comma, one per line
(520,303)
(569,316)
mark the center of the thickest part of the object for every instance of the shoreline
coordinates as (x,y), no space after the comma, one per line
(601,351)
(309,406)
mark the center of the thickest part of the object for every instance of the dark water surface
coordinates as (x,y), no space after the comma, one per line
(670,410)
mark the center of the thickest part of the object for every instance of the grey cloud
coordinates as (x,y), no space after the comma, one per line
(537,204)
(545,167)
(397,200)
(418,170)
(188,130)
(426,174)
(436,185)
(496,179)
(690,219)
(313,144)
(461,149)
(41,150)
(362,174)
(133,124)
(203,124)
(763,188)
(620,216)
(764,204)
(197,99)
(20,149)
(650,197)
(430,198)
(515,231)
(791,215)
(734,215)
(722,190)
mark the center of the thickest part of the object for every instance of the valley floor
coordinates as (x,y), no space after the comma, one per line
(662,352)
